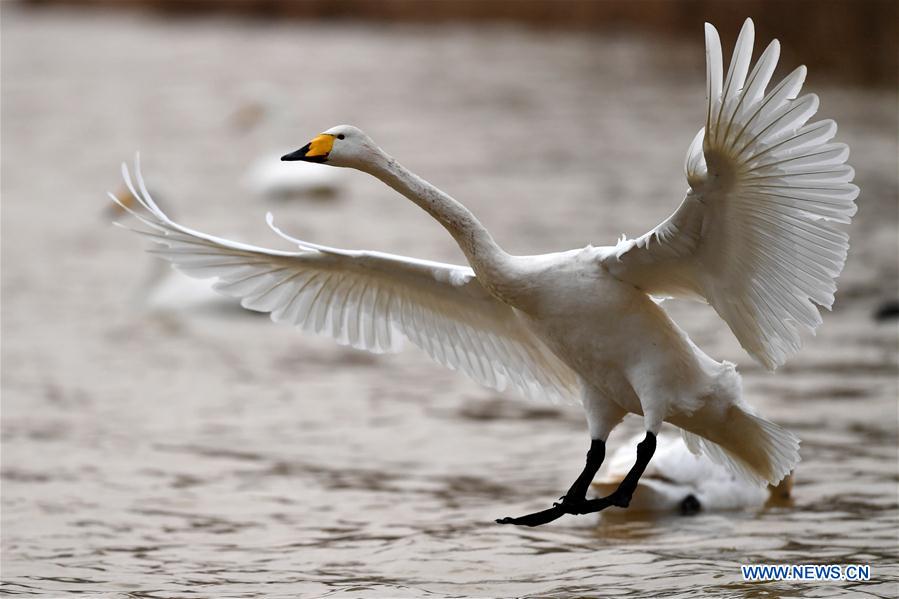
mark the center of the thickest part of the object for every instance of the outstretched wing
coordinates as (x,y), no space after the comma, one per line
(758,234)
(369,300)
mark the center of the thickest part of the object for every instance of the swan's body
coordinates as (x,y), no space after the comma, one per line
(755,237)
(679,481)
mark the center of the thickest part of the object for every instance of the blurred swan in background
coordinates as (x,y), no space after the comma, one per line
(757,237)
(679,481)
(163,289)
(264,113)
(270,178)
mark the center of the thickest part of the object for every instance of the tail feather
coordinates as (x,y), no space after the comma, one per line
(751,447)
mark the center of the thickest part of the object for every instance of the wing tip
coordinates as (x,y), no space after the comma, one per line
(747,31)
(712,38)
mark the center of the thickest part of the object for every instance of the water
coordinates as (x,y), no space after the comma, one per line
(209,453)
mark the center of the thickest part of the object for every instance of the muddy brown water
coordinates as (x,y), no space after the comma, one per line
(205,452)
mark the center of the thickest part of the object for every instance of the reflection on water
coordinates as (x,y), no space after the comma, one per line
(201,454)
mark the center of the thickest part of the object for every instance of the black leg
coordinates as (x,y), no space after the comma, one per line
(574,501)
(621,497)
(578,491)
(574,498)
(537,518)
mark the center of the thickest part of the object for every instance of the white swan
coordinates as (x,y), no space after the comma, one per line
(266,114)
(679,481)
(756,237)
(272,179)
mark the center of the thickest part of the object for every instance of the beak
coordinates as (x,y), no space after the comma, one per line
(316,150)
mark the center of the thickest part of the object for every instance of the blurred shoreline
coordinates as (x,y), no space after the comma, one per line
(848,41)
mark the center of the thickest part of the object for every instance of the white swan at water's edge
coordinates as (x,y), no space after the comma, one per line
(679,481)
(270,178)
(757,237)
(266,113)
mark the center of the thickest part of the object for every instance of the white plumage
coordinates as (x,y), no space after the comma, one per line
(372,301)
(756,237)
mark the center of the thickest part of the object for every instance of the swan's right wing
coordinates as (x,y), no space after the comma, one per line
(758,235)
(371,301)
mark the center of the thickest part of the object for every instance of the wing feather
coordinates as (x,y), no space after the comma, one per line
(368,300)
(758,235)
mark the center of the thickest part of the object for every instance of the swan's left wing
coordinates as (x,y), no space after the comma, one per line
(758,234)
(370,300)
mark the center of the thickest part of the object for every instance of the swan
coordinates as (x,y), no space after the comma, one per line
(269,178)
(265,113)
(678,481)
(757,236)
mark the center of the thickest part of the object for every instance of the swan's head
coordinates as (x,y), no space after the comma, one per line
(343,145)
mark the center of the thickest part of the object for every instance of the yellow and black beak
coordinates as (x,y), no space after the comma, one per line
(316,150)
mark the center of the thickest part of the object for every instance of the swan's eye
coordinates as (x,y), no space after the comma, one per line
(341,136)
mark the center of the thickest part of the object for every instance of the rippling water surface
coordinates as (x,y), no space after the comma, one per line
(206,452)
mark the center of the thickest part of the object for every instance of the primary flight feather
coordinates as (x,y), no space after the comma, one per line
(757,236)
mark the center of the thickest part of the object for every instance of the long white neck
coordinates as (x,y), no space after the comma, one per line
(491,264)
